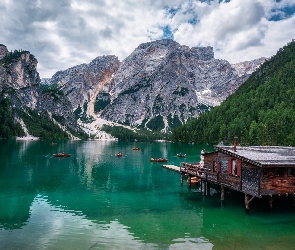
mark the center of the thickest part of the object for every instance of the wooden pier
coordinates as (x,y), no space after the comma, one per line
(172,167)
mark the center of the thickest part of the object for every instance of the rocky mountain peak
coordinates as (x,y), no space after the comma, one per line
(82,83)
(159,86)
(165,82)
(248,67)
(23,70)
(18,70)
(203,53)
(3,51)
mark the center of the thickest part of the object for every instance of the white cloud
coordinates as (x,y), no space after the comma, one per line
(238,30)
(64,33)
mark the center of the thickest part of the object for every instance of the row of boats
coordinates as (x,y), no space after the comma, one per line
(152,159)
(119,154)
(164,159)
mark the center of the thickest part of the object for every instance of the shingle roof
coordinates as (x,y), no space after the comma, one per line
(262,155)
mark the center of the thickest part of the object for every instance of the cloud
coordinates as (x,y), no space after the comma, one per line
(237,30)
(64,33)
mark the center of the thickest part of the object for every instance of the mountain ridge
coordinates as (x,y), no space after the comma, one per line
(160,82)
(158,87)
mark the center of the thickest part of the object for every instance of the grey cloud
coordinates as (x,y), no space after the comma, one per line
(51,28)
(249,16)
(254,41)
(106,33)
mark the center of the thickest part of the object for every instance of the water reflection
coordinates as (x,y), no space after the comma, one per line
(95,200)
(93,185)
(51,227)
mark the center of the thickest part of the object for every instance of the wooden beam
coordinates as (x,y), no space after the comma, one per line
(247,202)
(222,195)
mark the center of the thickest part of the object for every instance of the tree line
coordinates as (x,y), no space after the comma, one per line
(8,127)
(128,135)
(12,56)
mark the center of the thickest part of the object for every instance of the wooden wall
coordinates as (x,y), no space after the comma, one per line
(221,177)
(274,185)
(247,183)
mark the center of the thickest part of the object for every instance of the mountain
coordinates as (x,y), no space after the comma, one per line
(163,84)
(159,86)
(30,104)
(259,112)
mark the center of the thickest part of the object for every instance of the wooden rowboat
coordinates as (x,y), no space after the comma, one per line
(158,159)
(193,181)
(61,155)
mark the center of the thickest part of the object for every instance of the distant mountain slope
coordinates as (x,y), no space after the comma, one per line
(260,112)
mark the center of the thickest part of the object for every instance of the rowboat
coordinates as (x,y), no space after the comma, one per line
(119,154)
(136,148)
(193,181)
(61,155)
(181,155)
(158,159)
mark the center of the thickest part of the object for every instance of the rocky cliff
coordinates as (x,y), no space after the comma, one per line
(20,81)
(81,84)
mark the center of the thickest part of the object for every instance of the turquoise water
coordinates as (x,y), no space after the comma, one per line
(95,200)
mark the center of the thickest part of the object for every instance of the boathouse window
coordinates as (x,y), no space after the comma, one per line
(234,167)
(279,172)
(291,171)
(265,172)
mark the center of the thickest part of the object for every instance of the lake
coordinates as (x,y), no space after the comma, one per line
(95,200)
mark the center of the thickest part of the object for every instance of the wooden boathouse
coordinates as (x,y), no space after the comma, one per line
(256,171)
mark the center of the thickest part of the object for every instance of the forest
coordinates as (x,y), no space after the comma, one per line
(128,135)
(8,127)
(13,56)
(260,112)
(38,125)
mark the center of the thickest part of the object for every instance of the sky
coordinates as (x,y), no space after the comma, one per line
(65,33)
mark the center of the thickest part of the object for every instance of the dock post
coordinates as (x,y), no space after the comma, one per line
(181,180)
(222,195)
(205,188)
(201,186)
(208,188)
(247,203)
(270,200)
